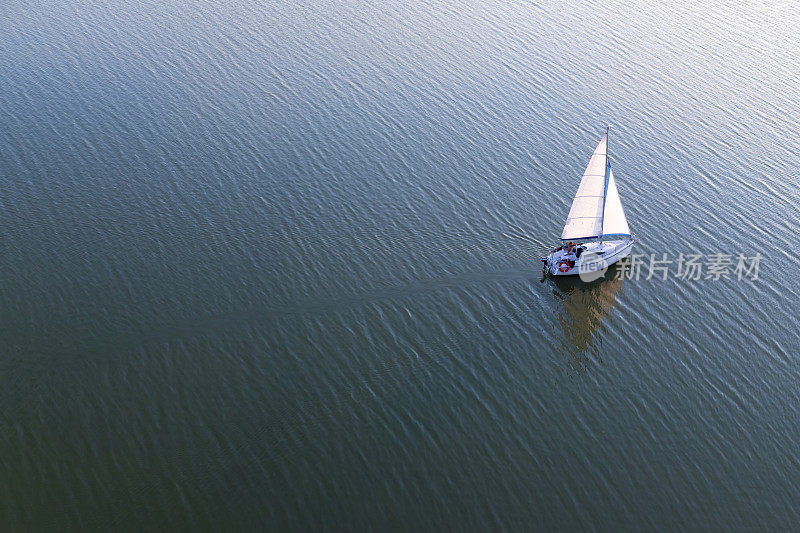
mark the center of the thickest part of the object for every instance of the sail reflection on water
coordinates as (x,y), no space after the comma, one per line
(584,309)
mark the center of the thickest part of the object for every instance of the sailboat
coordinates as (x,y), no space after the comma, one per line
(596,234)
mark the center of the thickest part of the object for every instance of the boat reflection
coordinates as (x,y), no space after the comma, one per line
(584,309)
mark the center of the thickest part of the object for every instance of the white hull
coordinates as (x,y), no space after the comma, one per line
(595,256)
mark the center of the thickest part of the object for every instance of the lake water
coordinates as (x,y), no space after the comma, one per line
(277,266)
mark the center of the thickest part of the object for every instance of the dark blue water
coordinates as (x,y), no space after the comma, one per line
(277,266)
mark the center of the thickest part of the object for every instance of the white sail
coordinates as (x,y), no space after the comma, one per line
(614,222)
(586,215)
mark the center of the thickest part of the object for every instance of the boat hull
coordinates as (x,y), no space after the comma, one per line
(596,256)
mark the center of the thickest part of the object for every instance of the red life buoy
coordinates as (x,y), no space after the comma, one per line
(563,266)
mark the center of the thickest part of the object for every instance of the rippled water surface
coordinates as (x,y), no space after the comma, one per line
(277,265)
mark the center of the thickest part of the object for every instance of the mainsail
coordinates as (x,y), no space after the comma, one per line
(596,210)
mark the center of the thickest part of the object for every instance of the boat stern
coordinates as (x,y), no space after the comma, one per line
(558,263)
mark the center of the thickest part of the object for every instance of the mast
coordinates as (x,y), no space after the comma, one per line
(605,191)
